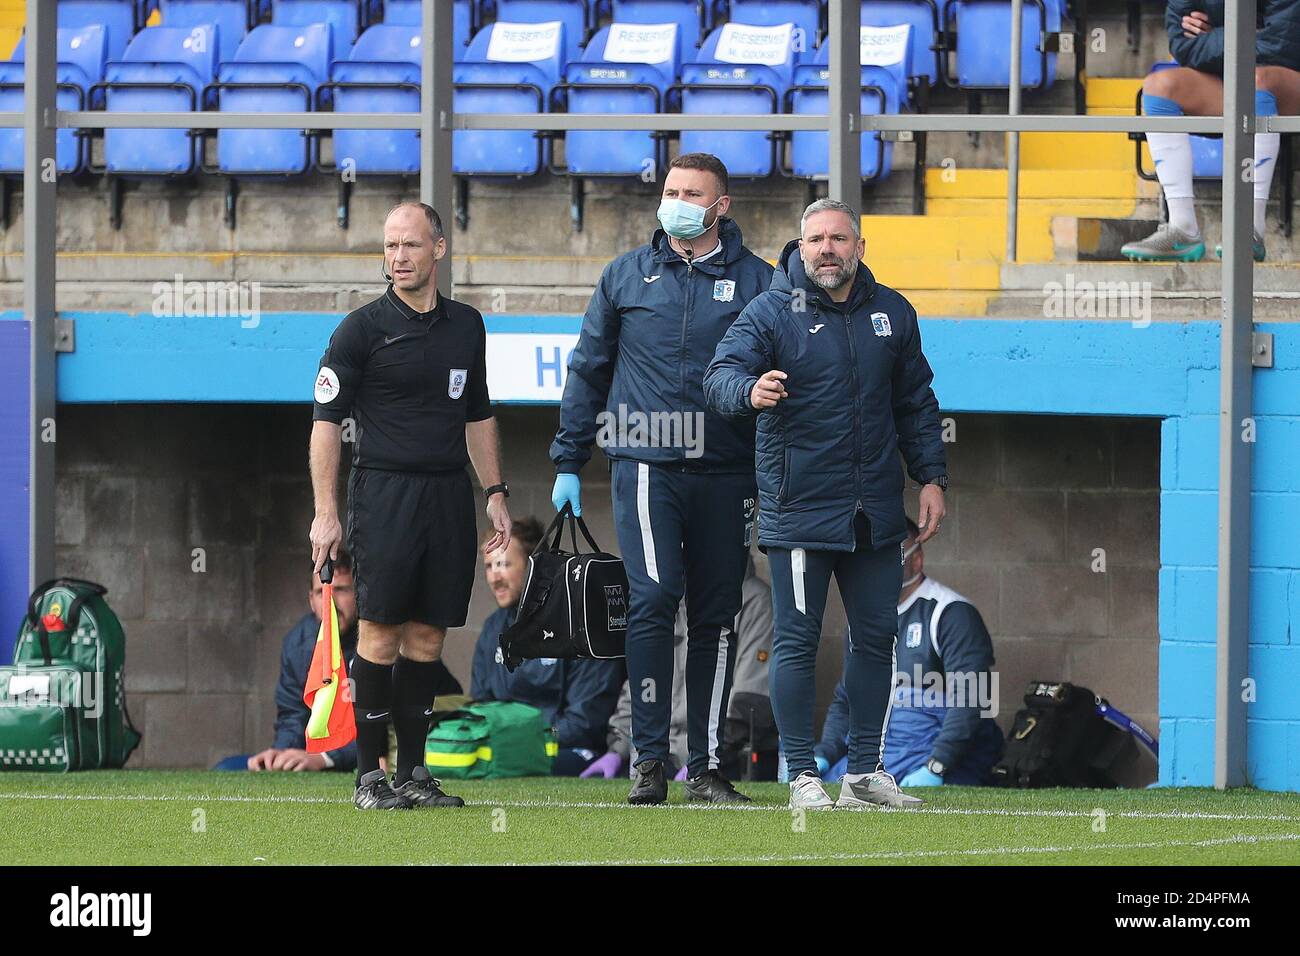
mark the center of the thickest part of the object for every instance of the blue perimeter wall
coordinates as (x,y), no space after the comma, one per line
(1165,370)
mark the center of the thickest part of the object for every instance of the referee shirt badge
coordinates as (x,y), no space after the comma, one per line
(327,385)
(914,634)
(724,290)
(456,382)
(880,323)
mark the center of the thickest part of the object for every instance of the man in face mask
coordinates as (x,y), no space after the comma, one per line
(932,736)
(682,476)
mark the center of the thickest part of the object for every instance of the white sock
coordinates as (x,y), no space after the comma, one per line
(1172,153)
(1267,147)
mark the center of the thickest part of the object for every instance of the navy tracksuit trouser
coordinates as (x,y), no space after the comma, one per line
(682,533)
(869,581)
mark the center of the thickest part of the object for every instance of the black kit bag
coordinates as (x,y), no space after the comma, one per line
(1059,740)
(574,604)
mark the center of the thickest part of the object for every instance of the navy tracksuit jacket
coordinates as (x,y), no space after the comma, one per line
(682,475)
(1277,37)
(829,482)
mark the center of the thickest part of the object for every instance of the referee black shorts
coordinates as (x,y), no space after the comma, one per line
(413,542)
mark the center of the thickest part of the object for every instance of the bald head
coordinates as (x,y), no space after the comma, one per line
(413,244)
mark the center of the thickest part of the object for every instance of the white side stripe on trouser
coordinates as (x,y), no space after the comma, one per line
(796,576)
(884,725)
(643,514)
(715,699)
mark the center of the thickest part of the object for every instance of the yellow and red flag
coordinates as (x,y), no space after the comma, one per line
(331,724)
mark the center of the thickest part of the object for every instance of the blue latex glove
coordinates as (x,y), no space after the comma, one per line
(682,774)
(823,765)
(921,777)
(567,488)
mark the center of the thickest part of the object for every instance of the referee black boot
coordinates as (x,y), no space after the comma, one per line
(651,785)
(423,790)
(712,787)
(374,793)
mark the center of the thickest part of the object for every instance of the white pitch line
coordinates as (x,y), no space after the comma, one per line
(705,807)
(931,854)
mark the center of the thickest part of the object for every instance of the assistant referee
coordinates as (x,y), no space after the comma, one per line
(410,369)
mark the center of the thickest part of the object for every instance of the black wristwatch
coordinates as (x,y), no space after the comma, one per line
(941,481)
(935,767)
(493,489)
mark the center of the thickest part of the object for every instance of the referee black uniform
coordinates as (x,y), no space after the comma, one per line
(410,381)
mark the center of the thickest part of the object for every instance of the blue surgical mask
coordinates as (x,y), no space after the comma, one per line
(683,220)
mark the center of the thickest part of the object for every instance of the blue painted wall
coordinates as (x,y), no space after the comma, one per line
(1166,370)
(15,356)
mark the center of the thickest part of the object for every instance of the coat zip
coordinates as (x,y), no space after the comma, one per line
(686,318)
(857,430)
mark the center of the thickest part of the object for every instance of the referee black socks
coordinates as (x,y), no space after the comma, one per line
(371,706)
(414,686)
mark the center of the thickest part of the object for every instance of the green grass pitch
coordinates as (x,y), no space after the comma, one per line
(197,817)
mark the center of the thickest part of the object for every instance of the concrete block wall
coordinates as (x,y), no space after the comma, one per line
(1189,468)
(141,486)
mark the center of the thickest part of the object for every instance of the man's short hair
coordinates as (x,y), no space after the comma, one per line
(831,205)
(527,531)
(913,531)
(705,161)
(435,221)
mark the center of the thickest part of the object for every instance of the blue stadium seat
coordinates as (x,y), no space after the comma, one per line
(82,53)
(381,76)
(407,13)
(684,13)
(741,69)
(886,65)
(626,68)
(804,14)
(229,16)
(164,69)
(982,28)
(276,70)
(572,13)
(923,16)
(340,14)
(509,68)
(118,17)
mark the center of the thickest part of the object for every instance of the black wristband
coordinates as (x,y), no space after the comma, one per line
(493,489)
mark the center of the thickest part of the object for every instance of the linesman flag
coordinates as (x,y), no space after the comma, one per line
(331,724)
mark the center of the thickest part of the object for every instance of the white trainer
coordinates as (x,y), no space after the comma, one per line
(863,790)
(807,793)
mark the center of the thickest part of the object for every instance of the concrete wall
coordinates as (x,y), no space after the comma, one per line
(141,486)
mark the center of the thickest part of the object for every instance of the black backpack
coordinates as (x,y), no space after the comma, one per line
(573,604)
(1060,740)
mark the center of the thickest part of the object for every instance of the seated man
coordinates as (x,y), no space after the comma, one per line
(287,752)
(575,696)
(748,691)
(1195,88)
(928,743)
